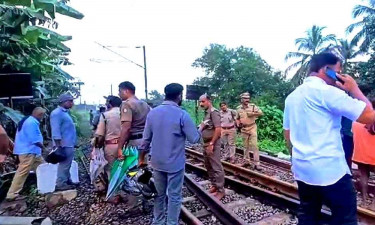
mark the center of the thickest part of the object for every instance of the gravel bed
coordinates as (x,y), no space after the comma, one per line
(232,198)
(250,214)
(259,211)
(369,204)
(210,220)
(194,206)
(87,208)
(186,192)
(198,179)
(266,168)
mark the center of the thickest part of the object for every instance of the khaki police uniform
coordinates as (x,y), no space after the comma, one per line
(110,128)
(247,117)
(213,162)
(135,111)
(228,131)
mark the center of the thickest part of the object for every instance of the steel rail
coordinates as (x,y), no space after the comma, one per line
(277,186)
(226,216)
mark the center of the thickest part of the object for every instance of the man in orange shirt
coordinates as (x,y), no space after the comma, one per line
(364,156)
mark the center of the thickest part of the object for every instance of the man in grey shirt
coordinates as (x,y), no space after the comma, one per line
(167,128)
(64,136)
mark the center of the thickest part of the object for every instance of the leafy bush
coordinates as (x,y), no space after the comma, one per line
(77,119)
(270,125)
(190,107)
(270,130)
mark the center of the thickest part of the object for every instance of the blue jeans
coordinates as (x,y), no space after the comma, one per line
(170,183)
(63,170)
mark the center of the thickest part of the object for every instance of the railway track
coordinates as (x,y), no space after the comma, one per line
(261,180)
(240,206)
(283,166)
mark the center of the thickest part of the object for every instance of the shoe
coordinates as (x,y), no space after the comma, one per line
(219,195)
(212,190)
(64,188)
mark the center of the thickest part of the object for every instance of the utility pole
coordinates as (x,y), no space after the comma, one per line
(79,83)
(111,90)
(145,67)
(129,60)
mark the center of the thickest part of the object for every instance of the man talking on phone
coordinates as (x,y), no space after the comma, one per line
(312,119)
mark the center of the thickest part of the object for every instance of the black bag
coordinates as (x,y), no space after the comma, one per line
(56,155)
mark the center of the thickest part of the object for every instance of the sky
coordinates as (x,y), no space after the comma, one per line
(175,33)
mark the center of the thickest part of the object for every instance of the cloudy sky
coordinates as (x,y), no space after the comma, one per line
(175,32)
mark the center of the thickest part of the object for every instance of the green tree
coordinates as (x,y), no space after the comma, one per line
(347,50)
(155,98)
(366,79)
(230,72)
(365,27)
(315,42)
(28,42)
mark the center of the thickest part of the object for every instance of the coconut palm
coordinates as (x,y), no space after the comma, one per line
(346,50)
(366,26)
(314,43)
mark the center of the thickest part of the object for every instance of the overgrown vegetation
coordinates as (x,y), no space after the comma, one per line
(81,122)
(232,71)
(30,44)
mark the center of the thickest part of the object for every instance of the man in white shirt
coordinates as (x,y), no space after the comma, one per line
(312,123)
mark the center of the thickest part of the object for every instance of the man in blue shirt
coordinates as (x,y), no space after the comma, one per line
(312,123)
(64,136)
(28,146)
(167,129)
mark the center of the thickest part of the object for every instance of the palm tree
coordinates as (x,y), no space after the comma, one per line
(346,50)
(366,26)
(314,43)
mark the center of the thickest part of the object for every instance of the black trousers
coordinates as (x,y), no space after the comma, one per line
(339,197)
(348,145)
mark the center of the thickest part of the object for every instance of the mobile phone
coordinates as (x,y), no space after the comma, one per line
(332,74)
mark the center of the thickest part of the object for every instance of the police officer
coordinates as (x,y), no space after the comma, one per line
(108,131)
(211,131)
(228,129)
(133,118)
(247,113)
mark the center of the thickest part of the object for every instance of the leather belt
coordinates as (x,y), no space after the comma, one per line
(227,128)
(135,136)
(111,142)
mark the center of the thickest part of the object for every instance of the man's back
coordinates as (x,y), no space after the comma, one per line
(27,137)
(135,111)
(110,125)
(313,115)
(168,127)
